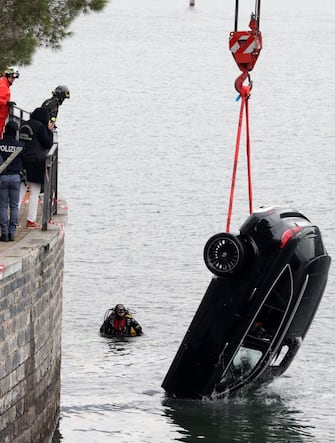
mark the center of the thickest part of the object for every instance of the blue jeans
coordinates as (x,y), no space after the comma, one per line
(9,196)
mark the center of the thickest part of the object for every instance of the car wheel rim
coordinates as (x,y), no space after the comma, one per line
(223,255)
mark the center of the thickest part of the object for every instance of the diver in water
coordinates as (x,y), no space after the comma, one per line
(119,322)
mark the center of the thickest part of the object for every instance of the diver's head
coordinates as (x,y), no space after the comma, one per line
(120,310)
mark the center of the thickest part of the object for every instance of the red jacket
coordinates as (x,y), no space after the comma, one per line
(4,98)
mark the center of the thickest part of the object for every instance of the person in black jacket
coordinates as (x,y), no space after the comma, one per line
(37,135)
(53,103)
(10,180)
(119,322)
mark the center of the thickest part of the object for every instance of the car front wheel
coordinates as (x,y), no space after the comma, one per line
(224,254)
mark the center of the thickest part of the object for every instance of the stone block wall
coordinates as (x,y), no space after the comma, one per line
(31,286)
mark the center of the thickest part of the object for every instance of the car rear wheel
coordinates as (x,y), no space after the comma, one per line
(224,254)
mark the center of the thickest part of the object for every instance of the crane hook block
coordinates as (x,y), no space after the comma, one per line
(246,46)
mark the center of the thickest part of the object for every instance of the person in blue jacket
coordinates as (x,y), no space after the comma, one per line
(10,180)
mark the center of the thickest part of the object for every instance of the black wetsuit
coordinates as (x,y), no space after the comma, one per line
(115,325)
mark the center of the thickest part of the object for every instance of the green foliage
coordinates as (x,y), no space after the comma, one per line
(28,24)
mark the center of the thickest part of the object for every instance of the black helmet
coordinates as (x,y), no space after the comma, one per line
(62,92)
(120,309)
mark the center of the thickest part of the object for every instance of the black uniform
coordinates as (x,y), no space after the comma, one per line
(38,139)
(52,106)
(7,146)
(115,325)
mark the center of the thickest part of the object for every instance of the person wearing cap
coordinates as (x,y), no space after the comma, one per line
(119,322)
(10,180)
(6,82)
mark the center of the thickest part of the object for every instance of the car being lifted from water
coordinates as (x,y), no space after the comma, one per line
(269,280)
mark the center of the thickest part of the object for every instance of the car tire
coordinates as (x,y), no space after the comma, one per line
(224,254)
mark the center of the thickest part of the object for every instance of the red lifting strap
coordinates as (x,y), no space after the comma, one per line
(245,93)
(245,47)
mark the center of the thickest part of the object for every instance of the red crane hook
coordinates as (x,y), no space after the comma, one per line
(246,45)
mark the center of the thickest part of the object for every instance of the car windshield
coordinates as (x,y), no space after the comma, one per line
(261,333)
(244,362)
(246,359)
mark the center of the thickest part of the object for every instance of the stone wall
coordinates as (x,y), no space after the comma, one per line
(31,286)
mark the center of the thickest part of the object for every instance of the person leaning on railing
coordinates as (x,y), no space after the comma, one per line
(37,135)
(53,103)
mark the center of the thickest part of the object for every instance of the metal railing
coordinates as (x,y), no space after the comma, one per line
(50,194)
(50,188)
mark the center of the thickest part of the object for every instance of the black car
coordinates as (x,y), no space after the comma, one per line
(269,280)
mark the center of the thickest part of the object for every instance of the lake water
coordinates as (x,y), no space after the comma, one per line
(146,150)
